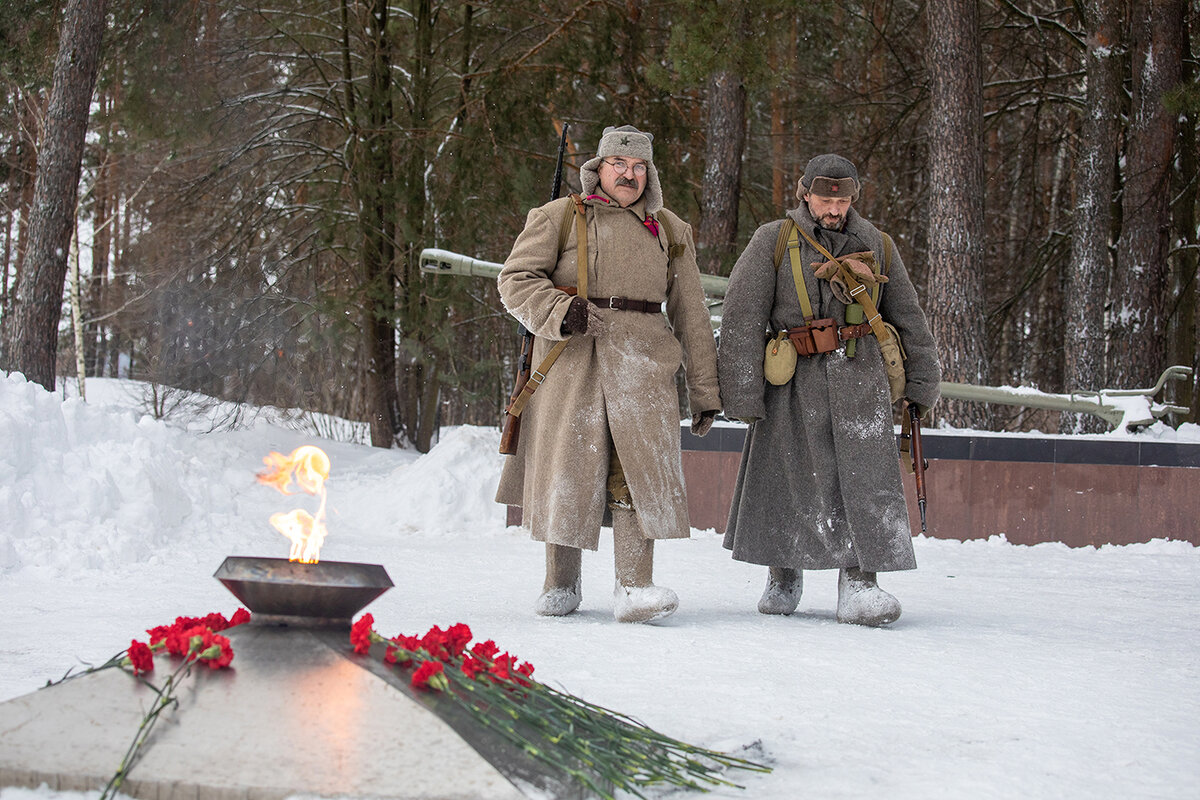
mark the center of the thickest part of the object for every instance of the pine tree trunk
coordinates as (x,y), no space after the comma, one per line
(374,181)
(956,223)
(420,314)
(1091,247)
(1189,236)
(31,339)
(1185,348)
(726,139)
(1138,301)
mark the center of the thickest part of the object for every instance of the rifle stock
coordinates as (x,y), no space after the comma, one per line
(510,435)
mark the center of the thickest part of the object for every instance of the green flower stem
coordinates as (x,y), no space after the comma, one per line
(165,697)
(115,661)
(586,741)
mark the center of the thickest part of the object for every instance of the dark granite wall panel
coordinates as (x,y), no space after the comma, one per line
(1082,492)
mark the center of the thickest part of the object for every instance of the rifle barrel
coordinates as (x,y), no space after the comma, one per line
(918,458)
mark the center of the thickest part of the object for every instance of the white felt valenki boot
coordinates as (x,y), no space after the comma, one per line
(862,602)
(782,594)
(636,597)
(562,592)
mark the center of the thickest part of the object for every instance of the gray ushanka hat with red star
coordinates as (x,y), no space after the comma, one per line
(625,141)
(829,175)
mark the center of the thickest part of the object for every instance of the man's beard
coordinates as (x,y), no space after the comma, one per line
(832,223)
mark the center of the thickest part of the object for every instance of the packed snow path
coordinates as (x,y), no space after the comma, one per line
(1031,672)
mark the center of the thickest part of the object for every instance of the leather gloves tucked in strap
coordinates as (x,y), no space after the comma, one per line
(859,265)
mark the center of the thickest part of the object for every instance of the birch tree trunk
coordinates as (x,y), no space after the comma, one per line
(1138,298)
(30,339)
(1090,267)
(956,223)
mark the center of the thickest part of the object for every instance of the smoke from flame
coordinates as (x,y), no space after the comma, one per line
(308,466)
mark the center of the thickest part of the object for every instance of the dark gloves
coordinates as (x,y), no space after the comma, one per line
(923,411)
(576,320)
(702,423)
(583,319)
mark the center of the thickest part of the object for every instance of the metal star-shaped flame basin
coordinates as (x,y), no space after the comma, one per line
(326,594)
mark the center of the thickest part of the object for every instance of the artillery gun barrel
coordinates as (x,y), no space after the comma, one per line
(445,262)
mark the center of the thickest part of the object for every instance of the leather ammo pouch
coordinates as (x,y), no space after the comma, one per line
(818,336)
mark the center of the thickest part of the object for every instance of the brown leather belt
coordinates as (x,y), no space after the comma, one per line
(622,303)
(625,304)
(848,332)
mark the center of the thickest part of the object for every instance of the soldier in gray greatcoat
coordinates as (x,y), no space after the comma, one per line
(604,426)
(819,483)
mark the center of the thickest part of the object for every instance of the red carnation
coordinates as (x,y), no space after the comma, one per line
(486,650)
(218,652)
(457,638)
(140,657)
(199,640)
(472,666)
(360,634)
(177,641)
(240,617)
(501,666)
(430,675)
(525,669)
(434,642)
(399,649)
(214,621)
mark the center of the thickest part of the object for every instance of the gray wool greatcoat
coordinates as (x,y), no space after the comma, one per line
(615,390)
(819,483)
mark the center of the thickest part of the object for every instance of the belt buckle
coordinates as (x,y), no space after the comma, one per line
(612,303)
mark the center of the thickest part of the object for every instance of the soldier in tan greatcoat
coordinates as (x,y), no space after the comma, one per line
(603,429)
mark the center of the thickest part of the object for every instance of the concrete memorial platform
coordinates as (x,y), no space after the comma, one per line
(298,713)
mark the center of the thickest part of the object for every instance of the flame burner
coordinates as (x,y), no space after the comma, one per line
(281,592)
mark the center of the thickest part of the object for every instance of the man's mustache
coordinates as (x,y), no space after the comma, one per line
(626,182)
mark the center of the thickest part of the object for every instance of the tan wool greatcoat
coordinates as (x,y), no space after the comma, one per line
(616,390)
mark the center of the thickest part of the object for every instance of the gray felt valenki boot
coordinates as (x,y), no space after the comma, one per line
(862,602)
(562,592)
(636,597)
(782,594)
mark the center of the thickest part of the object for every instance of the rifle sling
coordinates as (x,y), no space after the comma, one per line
(537,376)
(793,248)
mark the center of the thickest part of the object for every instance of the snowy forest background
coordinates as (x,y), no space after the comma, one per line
(259,176)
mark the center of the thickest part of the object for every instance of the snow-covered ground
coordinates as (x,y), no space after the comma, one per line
(1030,672)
